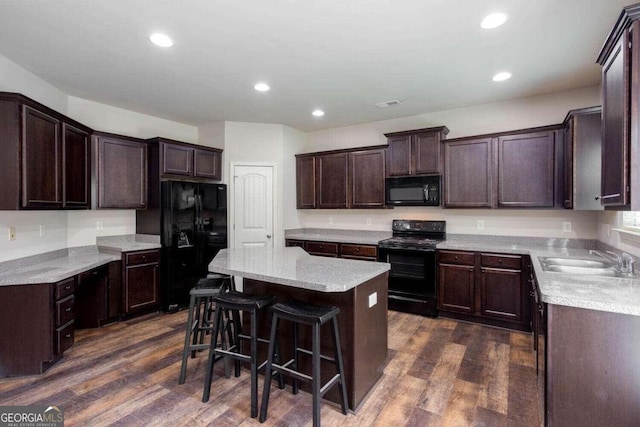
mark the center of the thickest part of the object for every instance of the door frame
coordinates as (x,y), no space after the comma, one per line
(276,224)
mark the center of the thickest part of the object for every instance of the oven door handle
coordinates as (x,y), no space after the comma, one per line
(425,191)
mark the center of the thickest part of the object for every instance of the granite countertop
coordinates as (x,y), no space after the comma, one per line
(294,267)
(363,237)
(128,243)
(54,266)
(56,269)
(612,294)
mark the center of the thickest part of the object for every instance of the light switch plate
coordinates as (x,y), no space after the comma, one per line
(373,299)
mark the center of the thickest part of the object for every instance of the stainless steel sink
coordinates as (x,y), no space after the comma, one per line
(590,271)
(575,262)
(582,266)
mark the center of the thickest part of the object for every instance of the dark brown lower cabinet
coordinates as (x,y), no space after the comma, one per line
(141,281)
(337,250)
(485,288)
(36,326)
(592,370)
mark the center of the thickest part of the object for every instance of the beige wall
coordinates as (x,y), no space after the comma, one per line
(106,118)
(608,221)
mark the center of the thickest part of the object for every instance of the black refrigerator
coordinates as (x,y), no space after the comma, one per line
(193,219)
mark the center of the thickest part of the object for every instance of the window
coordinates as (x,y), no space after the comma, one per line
(631,221)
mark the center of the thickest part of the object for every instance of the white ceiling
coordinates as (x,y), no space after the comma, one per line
(339,55)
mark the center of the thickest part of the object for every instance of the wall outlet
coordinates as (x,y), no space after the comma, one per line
(367,221)
(373,299)
(566,226)
(12,233)
(99,226)
(42,229)
(480,224)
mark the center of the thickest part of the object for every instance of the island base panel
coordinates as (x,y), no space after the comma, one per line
(363,333)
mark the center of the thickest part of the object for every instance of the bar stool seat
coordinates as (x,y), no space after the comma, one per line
(199,322)
(314,316)
(235,302)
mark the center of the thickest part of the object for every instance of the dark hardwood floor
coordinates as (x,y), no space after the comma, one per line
(440,372)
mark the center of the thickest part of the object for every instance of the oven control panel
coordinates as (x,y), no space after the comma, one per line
(419,226)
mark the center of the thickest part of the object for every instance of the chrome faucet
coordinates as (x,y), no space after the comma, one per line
(624,263)
(627,264)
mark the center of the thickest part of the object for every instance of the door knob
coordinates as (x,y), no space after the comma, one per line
(268,236)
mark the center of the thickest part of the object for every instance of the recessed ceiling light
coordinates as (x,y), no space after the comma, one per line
(261,87)
(500,77)
(318,113)
(161,40)
(494,20)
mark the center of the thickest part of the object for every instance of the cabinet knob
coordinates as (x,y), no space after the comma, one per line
(357,249)
(67,287)
(499,261)
(95,273)
(68,309)
(68,336)
(455,257)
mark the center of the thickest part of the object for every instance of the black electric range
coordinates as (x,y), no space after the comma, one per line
(411,253)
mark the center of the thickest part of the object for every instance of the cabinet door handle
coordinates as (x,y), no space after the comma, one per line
(68,336)
(609,196)
(68,309)
(95,273)
(67,287)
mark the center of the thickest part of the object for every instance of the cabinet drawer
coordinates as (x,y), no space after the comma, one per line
(454,257)
(64,337)
(134,258)
(64,288)
(359,251)
(298,243)
(322,248)
(64,310)
(512,262)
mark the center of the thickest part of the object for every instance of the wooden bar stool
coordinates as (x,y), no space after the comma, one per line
(314,316)
(235,302)
(199,321)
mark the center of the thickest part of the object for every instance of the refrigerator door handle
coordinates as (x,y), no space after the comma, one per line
(198,203)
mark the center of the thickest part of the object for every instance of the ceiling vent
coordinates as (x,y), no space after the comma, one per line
(386,104)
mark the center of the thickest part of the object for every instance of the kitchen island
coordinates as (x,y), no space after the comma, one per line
(358,288)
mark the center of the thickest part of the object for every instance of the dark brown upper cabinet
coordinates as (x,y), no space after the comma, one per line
(180,160)
(468,173)
(526,170)
(518,169)
(582,158)
(620,61)
(45,157)
(367,173)
(76,167)
(306,182)
(121,171)
(331,180)
(415,152)
(341,179)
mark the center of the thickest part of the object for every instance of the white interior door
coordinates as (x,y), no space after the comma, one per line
(252,214)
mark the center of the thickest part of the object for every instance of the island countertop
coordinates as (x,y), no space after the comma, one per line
(292,266)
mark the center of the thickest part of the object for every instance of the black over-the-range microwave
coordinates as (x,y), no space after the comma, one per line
(413,191)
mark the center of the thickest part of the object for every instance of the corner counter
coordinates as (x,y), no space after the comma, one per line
(358,288)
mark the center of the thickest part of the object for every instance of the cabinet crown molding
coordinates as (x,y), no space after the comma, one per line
(628,14)
(443,129)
